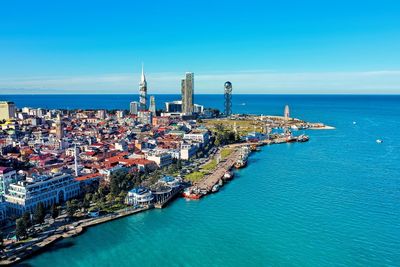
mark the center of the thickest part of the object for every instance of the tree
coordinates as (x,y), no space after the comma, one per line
(54,211)
(71,208)
(1,239)
(39,214)
(20,229)
(27,218)
(86,203)
(219,127)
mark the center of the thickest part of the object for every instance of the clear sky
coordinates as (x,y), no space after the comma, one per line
(288,46)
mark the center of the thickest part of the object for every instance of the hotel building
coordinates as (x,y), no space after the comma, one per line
(47,189)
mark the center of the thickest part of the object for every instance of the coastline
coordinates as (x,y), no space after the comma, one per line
(78,227)
(38,247)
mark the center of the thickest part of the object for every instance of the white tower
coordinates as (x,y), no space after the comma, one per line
(286,113)
(143,91)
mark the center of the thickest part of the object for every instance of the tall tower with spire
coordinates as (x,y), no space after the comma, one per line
(143,91)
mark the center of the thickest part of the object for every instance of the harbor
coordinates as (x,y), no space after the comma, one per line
(237,159)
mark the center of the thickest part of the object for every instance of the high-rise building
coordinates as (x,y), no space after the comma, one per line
(187,86)
(101,114)
(228,98)
(152,107)
(143,92)
(7,110)
(134,107)
(59,128)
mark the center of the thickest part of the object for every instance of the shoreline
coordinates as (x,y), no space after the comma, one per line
(80,226)
(38,247)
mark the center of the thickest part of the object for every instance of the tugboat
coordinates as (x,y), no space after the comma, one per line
(302,138)
(191,193)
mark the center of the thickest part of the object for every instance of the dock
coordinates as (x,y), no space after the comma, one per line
(212,179)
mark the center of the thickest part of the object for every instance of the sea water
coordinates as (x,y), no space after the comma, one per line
(333,201)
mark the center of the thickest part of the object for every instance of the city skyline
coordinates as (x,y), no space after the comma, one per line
(262,47)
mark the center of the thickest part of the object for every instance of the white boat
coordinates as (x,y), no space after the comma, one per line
(215,188)
(228,175)
(354,122)
(379,141)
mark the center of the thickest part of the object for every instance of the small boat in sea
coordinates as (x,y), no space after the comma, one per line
(354,122)
(379,141)
(215,188)
(191,193)
(302,138)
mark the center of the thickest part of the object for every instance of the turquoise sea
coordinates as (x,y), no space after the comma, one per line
(334,201)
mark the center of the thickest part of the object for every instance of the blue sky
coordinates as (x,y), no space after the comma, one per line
(290,46)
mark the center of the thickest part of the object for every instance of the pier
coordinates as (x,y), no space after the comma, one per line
(212,179)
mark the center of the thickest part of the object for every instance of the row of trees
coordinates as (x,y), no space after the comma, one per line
(38,217)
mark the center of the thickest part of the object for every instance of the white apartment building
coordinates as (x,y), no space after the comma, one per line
(7,176)
(188,151)
(160,158)
(47,189)
(201,137)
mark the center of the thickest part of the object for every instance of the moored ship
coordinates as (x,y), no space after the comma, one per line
(244,155)
(191,193)
(228,175)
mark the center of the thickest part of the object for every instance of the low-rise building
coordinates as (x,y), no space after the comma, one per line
(139,196)
(25,195)
(188,151)
(162,159)
(201,137)
(7,176)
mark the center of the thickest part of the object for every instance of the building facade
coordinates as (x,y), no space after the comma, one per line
(152,107)
(173,107)
(187,86)
(7,176)
(25,195)
(134,107)
(7,110)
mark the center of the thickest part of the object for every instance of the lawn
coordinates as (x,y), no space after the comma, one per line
(210,165)
(225,152)
(194,176)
